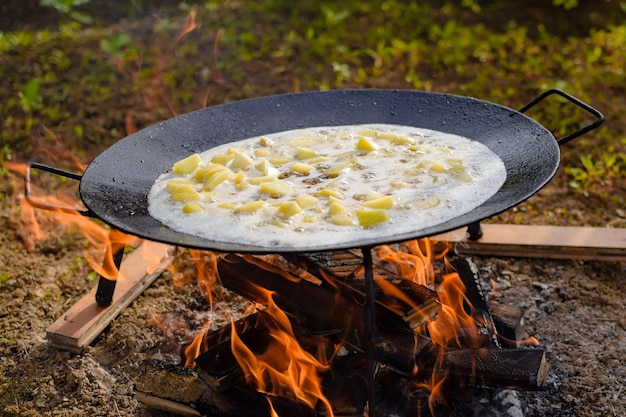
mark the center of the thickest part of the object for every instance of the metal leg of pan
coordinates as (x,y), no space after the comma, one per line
(106,287)
(371,335)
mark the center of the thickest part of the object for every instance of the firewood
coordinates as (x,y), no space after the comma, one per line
(509,322)
(325,309)
(496,368)
(478,308)
(181,390)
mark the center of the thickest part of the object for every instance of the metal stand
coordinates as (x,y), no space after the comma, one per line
(106,287)
(371,332)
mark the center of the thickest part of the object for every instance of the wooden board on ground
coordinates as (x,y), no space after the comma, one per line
(536,241)
(84,321)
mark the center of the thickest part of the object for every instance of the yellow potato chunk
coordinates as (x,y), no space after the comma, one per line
(369,218)
(302,168)
(177,183)
(192,207)
(463,177)
(336,208)
(327,192)
(259,180)
(373,195)
(222,159)
(341,219)
(368,132)
(305,153)
(240,161)
(336,170)
(438,167)
(228,205)
(306,200)
(280,160)
(185,193)
(265,141)
(187,165)
(239,177)
(379,203)
(216,179)
(203,173)
(260,153)
(288,209)
(251,207)
(276,189)
(365,144)
(310,219)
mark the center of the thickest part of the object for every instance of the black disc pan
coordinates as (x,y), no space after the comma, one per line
(115,186)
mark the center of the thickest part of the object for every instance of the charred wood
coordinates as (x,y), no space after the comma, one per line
(335,309)
(525,369)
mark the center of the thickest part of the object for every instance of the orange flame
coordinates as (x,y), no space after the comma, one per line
(59,212)
(285,368)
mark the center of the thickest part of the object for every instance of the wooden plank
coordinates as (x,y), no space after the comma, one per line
(85,320)
(537,241)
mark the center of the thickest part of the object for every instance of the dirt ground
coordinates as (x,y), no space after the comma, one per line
(574,308)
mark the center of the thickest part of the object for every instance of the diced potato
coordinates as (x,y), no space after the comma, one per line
(265,141)
(203,173)
(276,189)
(402,140)
(427,203)
(251,207)
(373,195)
(336,170)
(222,159)
(398,184)
(280,160)
(177,183)
(327,192)
(365,144)
(234,151)
(305,153)
(379,203)
(306,200)
(260,153)
(302,141)
(192,207)
(333,200)
(238,177)
(288,209)
(187,165)
(185,193)
(437,167)
(228,205)
(336,208)
(444,149)
(310,219)
(302,168)
(368,132)
(240,161)
(318,159)
(259,180)
(341,219)
(242,185)
(369,218)
(216,179)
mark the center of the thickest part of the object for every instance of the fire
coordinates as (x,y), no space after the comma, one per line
(63,210)
(285,368)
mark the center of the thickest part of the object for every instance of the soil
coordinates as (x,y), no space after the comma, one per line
(574,308)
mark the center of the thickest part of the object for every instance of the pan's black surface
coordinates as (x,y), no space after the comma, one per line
(116,184)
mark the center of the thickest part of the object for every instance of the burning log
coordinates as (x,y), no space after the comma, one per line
(496,368)
(180,390)
(335,309)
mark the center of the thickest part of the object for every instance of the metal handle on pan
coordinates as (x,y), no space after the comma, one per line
(46,206)
(599,116)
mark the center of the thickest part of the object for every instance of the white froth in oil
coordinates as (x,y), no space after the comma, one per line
(433,177)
